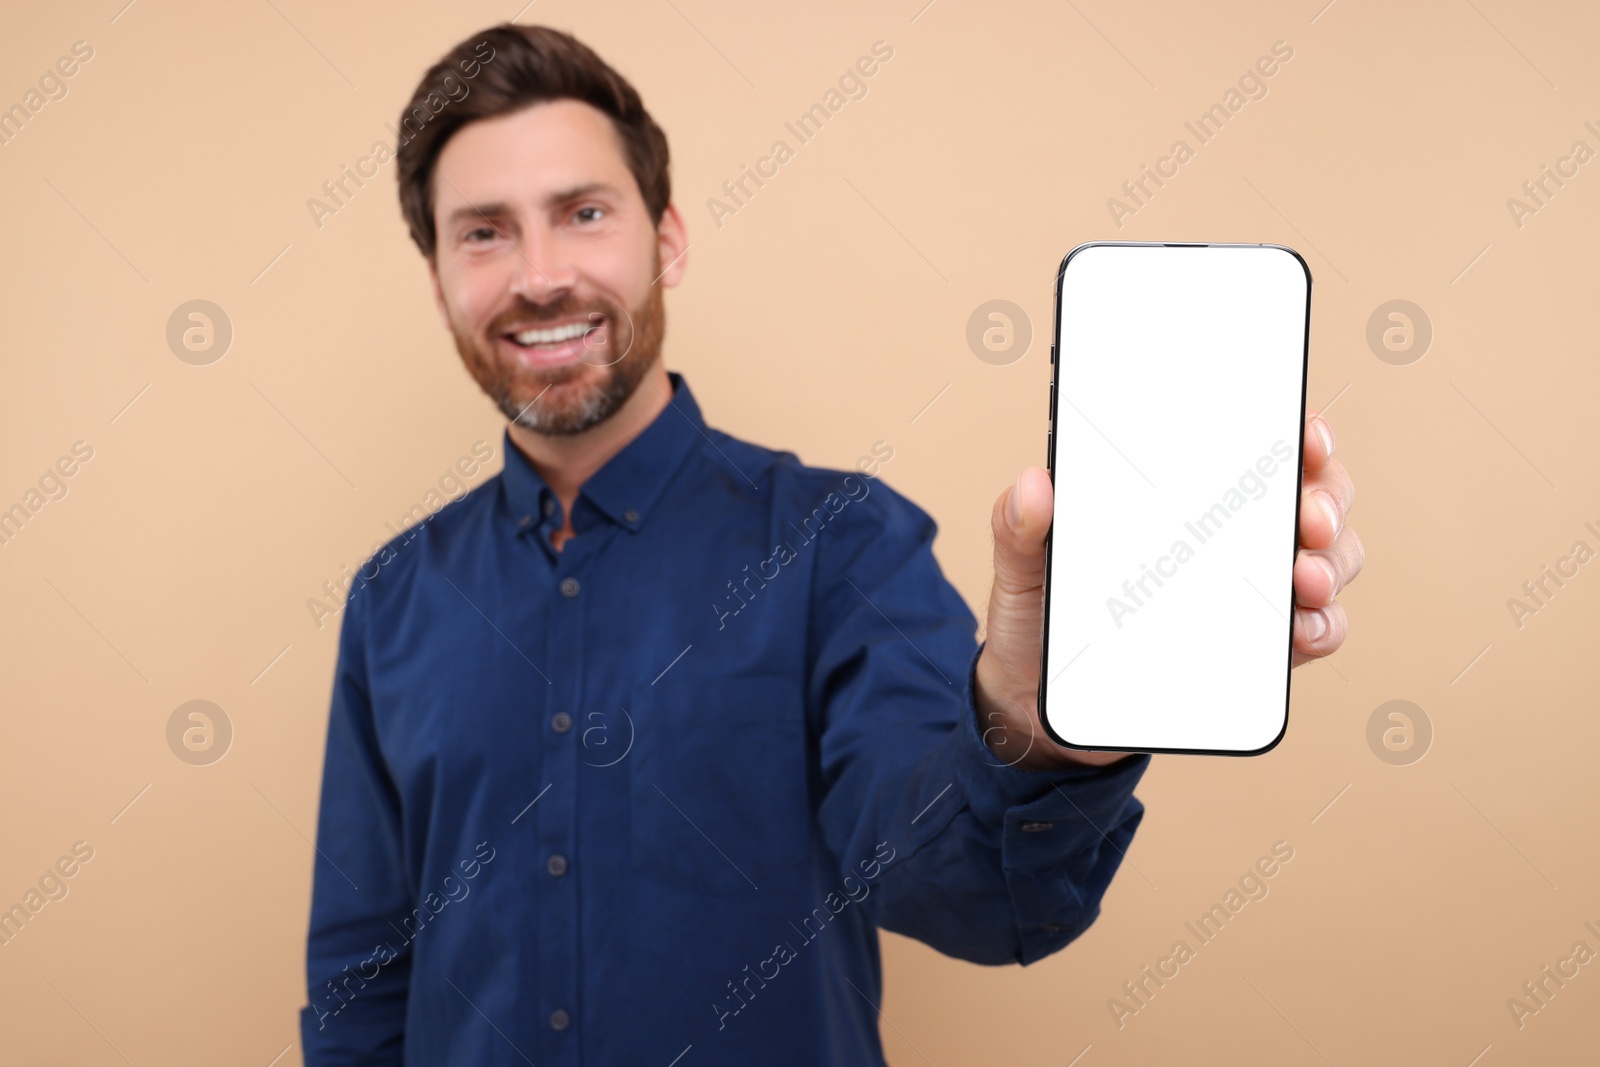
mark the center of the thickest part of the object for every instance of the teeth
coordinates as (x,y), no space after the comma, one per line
(548,337)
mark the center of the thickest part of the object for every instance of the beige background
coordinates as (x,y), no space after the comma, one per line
(825,315)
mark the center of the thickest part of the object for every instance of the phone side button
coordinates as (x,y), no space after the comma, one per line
(1052,353)
(1049,449)
(1052,402)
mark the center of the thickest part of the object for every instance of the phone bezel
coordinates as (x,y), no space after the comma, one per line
(1050,460)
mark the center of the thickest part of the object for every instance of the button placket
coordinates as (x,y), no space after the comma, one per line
(558,928)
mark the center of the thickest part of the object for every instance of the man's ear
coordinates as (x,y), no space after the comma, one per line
(438,294)
(672,241)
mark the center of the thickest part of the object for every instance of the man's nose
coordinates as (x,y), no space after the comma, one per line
(544,269)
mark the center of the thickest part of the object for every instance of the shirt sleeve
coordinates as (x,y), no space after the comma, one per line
(982,861)
(358,964)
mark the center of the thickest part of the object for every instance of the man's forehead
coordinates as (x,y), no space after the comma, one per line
(534,154)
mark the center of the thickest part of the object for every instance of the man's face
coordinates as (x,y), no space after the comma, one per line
(547,262)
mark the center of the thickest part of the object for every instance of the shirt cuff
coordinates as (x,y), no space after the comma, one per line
(1039,812)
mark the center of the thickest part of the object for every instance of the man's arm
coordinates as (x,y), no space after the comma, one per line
(358,963)
(985,862)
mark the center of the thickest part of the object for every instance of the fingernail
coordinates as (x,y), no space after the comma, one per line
(1330,509)
(1327,568)
(1324,432)
(1316,624)
(1014,504)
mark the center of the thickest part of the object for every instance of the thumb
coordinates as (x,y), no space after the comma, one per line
(1021,518)
(1008,671)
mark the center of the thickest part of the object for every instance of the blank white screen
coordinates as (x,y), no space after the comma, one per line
(1180,376)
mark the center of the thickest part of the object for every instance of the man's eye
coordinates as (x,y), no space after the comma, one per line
(589,214)
(486,232)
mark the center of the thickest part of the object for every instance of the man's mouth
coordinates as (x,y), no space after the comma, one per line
(561,343)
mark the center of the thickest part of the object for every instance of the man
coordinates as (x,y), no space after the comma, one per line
(634,747)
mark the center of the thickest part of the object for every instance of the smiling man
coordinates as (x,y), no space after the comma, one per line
(569,815)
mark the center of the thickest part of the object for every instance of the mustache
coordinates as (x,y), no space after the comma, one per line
(527,314)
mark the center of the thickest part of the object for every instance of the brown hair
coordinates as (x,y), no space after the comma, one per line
(505,69)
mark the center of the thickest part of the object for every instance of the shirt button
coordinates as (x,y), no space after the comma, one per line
(549,506)
(525,522)
(560,1019)
(630,515)
(569,587)
(556,865)
(1035,827)
(561,722)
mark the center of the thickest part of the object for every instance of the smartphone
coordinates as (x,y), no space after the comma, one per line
(1177,405)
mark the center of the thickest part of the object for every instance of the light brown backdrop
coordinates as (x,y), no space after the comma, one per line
(828,313)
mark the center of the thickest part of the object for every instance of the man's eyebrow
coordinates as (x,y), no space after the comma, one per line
(500,210)
(476,211)
(578,192)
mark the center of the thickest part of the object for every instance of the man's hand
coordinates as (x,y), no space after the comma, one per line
(1330,554)
(1007,693)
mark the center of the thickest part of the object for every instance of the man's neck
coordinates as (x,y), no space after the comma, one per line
(565,462)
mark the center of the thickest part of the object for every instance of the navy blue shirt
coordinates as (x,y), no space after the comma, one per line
(650,796)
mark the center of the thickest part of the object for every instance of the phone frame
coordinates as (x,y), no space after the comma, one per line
(1050,460)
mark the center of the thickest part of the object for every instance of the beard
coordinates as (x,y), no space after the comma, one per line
(566,400)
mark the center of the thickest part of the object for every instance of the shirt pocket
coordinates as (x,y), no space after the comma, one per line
(719,788)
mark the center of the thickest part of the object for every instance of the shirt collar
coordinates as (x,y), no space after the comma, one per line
(631,481)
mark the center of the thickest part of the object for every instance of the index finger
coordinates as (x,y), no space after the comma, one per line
(1318,442)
